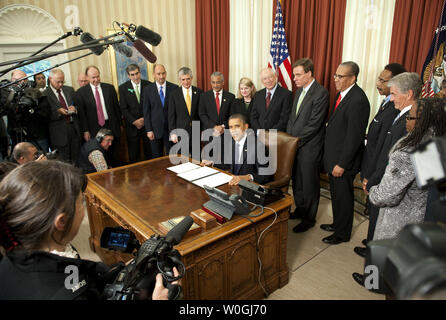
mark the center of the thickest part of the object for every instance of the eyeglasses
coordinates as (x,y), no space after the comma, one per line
(340,76)
(408,117)
(382,80)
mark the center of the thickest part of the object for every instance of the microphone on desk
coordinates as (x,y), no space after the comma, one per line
(177,233)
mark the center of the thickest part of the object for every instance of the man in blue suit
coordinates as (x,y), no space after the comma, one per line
(155,107)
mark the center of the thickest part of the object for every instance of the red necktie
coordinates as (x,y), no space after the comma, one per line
(217,102)
(337,102)
(100,112)
(63,104)
(268,99)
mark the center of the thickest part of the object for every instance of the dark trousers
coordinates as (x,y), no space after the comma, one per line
(70,151)
(161,147)
(373,217)
(306,187)
(133,144)
(342,203)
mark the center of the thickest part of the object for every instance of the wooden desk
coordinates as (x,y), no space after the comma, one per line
(221,263)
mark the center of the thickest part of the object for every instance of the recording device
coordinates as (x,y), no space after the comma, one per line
(225,205)
(144,34)
(156,255)
(121,48)
(19,99)
(258,194)
(87,38)
(414,264)
(52,155)
(148,35)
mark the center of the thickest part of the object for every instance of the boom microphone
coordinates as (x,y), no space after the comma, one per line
(86,37)
(144,51)
(177,233)
(148,35)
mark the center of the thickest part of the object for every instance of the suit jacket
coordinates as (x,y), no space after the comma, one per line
(178,114)
(238,106)
(87,109)
(376,136)
(276,117)
(249,152)
(345,132)
(396,132)
(58,126)
(309,123)
(207,109)
(131,109)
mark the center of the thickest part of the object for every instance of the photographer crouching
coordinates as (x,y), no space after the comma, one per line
(38,220)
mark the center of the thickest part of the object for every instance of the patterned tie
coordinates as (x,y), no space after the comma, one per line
(63,104)
(188,102)
(217,102)
(268,100)
(299,102)
(162,95)
(137,92)
(100,112)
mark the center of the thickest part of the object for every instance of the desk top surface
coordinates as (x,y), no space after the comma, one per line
(150,193)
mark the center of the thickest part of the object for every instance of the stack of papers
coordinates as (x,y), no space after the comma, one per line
(200,176)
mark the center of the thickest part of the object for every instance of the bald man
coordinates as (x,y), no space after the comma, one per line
(65,135)
(271,106)
(24,152)
(82,79)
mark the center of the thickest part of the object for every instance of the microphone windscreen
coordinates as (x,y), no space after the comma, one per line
(177,233)
(123,49)
(148,35)
(144,51)
(86,37)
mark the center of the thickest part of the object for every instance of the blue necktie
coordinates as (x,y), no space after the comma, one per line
(162,95)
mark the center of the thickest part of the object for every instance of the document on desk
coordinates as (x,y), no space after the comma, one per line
(184,167)
(196,174)
(214,180)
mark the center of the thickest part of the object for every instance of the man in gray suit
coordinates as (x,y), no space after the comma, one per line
(63,124)
(307,122)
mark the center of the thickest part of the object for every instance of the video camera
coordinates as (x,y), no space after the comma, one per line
(20,99)
(156,255)
(412,266)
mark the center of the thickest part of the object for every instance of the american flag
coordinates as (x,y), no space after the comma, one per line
(279,59)
(435,63)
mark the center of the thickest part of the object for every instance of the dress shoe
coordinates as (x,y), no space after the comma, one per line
(360,251)
(364,242)
(328,227)
(303,226)
(334,240)
(359,278)
(295,215)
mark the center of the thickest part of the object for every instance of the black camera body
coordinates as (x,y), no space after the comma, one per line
(20,100)
(155,255)
(49,155)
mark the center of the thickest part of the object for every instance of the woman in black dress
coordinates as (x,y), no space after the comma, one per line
(242,104)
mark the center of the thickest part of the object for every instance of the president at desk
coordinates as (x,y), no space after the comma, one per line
(221,262)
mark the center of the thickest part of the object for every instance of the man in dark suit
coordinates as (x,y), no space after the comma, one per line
(131,100)
(344,144)
(376,135)
(307,122)
(244,164)
(99,108)
(405,89)
(183,112)
(271,106)
(156,109)
(214,109)
(65,134)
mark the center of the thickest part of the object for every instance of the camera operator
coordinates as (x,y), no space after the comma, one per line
(25,152)
(93,156)
(26,117)
(38,220)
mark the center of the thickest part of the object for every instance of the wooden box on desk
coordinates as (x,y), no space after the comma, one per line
(203,219)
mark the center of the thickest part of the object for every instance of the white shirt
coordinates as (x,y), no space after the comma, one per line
(158,86)
(308,87)
(402,112)
(343,93)
(135,86)
(240,145)
(220,94)
(185,92)
(272,91)
(104,110)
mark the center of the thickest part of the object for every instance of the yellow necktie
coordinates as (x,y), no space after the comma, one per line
(188,102)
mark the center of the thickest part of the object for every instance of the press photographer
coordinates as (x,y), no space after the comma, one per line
(26,115)
(38,220)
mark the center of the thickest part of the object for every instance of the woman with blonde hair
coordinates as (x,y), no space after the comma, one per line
(243,103)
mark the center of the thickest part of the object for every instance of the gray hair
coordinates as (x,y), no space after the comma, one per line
(407,81)
(218,74)
(56,72)
(185,71)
